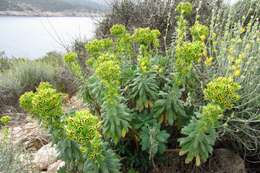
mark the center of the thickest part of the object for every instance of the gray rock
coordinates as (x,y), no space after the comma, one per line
(44,157)
(53,168)
(227,161)
(222,161)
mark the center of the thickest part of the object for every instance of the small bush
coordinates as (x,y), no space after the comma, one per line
(197,87)
(52,58)
(156,14)
(4,120)
(5,63)
(64,80)
(14,158)
(77,133)
(23,76)
(234,52)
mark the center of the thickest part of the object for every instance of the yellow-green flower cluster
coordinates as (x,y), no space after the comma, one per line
(44,85)
(190,52)
(45,103)
(222,91)
(187,53)
(124,45)
(70,57)
(199,32)
(123,42)
(147,37)
(71,60)
(212,112)
(184,8)
(107,68)
(144,59)
(144,63)
(98,46)
(84,128)
(118,30)
(26,101)
(4,120)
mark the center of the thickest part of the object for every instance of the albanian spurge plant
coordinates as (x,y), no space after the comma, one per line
(201,131)
(201,134)
(77,135)
(188,53)
(139,99)
(84,128)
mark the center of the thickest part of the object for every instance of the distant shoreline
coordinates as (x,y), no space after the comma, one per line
(50,14)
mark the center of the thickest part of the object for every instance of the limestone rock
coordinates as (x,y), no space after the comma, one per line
(44,157)
(53,168)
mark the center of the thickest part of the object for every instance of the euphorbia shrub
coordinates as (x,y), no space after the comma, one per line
(138,90)
(77,135)
(139,98)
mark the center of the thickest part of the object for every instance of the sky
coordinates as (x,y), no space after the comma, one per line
(233,1)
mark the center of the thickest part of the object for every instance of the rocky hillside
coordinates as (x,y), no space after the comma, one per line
(52,5)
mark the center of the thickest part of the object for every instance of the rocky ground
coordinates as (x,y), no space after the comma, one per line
(35,140)
(222,161)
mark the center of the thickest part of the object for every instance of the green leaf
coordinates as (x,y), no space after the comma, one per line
(153,139)
(200,135)
(116,120)
(169,105)
(143,89)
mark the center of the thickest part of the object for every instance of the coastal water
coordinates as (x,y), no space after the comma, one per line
(32,37)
